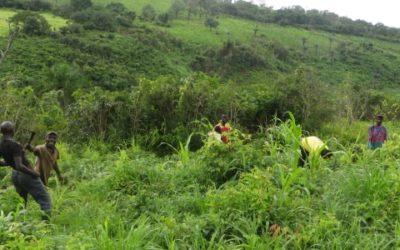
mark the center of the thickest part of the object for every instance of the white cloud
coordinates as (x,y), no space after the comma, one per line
(383,11)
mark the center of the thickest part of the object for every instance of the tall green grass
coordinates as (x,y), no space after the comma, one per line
(246,195)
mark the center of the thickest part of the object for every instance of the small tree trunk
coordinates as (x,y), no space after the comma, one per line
(11,37)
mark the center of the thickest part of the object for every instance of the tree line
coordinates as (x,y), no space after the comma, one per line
(295,16)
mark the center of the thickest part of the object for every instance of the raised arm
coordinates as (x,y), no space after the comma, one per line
(32,149)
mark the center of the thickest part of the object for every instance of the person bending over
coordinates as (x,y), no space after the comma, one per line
(312,145)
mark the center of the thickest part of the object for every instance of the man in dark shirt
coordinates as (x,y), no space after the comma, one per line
(24,178)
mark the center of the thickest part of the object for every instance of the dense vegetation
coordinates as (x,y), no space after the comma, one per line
(133,87)
(248,195)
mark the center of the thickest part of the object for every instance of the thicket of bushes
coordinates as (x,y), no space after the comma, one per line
(169,109)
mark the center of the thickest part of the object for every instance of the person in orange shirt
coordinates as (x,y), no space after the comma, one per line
(222,128)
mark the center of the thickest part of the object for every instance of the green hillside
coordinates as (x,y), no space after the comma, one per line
(134,99)
(240,52)
(332,54)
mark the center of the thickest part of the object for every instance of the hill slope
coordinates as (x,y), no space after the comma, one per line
(275,49)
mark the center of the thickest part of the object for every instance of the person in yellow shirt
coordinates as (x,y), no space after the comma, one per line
(312,145)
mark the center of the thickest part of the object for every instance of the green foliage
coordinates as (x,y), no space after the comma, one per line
(296,15)
(34,5)
(31,23)
(100,114)
(95,19)
(306,97)
(222,163)
(228,60)
(246,194)
(164,19)
(66,78)
(148,13)
(79,5)
(73,28)
(125,17)
(98,57)
(24,108)
(104,18)
(211,23)
(15,234)
(115,95)
(176,8)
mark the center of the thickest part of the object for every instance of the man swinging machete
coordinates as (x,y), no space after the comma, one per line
(46,158)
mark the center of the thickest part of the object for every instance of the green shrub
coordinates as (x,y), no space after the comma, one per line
(31,23)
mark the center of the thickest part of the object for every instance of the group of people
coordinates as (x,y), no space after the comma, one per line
(34,181)
(25,178)
(377,135)
(311,145)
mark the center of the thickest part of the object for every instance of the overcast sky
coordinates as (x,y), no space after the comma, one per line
(383,11)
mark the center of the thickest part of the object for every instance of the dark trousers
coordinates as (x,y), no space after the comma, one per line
(25,184)
(303,157)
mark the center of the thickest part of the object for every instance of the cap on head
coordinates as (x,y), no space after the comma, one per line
(379,117)
(7,127)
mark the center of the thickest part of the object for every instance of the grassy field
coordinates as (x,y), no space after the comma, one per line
(243,31)
(4,16)
(55,21)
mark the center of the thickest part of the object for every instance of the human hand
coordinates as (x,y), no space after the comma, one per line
(29,147)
